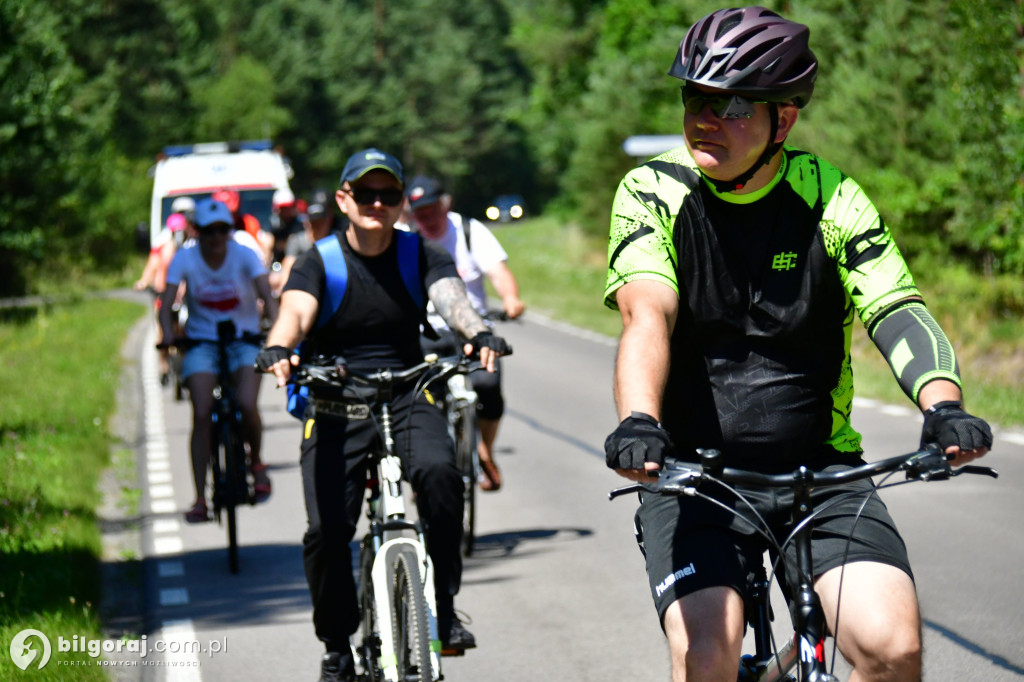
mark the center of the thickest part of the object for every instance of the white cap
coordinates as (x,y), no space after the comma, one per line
(182,204)
(283,197)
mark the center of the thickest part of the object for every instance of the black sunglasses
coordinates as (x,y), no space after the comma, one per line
(722,106)
(215,229)
(366,196)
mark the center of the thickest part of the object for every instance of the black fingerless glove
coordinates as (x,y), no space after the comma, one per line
(270,356)
(489,340)
(946,424)
(639,438)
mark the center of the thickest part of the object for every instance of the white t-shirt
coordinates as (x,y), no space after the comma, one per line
(472,266)
(214,295)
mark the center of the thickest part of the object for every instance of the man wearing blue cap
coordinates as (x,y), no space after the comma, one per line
(375,326)
(225,281)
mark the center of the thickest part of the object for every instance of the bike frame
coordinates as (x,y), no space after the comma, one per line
(388,524)
(806,650)
(389,536)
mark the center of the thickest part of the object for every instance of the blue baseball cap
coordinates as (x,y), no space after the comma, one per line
(361,163)
(211,211)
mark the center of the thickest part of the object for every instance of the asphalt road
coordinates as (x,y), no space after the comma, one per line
(556,590)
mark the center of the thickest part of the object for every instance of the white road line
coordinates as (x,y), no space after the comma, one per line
(173,596)
(166,526)
(158,491)
(158,465)
(897,411)
(180,637)
(570,329)
(1015,438)
(163,506)
(170,569)
(170,545)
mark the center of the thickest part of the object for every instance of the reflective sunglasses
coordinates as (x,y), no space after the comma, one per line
(365,196)
(723,106)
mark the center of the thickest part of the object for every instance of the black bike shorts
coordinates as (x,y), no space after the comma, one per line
(691,544)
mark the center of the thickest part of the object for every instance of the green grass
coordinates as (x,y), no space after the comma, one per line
(561,273)
(59,369)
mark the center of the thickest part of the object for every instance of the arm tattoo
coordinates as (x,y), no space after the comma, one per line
(449,298)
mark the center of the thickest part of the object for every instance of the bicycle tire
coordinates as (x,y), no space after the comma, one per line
(231,494)
(410,622)
(174,361)
(368,644)
(466,460)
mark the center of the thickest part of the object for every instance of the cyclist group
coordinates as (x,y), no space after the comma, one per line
(737,264)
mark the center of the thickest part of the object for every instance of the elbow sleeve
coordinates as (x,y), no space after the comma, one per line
(915,347)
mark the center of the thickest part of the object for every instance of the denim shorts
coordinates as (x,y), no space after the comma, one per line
(203,359)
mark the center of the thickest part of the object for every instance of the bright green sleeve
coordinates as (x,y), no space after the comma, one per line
(640,244)
(871,267)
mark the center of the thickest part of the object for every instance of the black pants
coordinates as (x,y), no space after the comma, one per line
(334,461)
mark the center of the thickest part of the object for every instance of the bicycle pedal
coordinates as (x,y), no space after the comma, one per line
(452,653)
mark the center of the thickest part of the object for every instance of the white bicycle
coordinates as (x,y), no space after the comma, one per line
(398,636)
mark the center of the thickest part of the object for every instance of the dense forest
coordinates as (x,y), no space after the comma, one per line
(921,100)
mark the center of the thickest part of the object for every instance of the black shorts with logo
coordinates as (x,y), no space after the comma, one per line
(691,544)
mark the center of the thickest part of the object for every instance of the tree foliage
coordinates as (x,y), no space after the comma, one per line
(920,100)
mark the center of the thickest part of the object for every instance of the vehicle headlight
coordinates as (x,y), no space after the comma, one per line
(493,213)
(516,211)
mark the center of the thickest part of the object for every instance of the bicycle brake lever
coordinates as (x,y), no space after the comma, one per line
(625,490)
(975,469)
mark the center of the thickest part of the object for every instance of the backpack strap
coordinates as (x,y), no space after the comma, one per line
(336,273)
(409,264)
(465,232)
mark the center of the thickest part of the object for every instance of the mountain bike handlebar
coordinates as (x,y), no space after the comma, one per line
(338,374)
(683,478)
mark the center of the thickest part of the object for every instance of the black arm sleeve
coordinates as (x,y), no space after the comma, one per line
(915,347)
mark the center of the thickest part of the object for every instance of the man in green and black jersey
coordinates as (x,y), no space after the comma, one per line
(738,265)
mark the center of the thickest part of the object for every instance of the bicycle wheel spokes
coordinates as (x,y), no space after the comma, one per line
(410,621)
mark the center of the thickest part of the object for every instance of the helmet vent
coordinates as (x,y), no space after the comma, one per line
(728,24)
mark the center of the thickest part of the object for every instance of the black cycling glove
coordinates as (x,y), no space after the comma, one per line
(639,438)
(489,340)
(946,424)
(270,356)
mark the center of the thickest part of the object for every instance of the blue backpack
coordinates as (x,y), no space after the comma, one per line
(336,273)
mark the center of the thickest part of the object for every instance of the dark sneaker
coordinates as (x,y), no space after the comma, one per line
(455,638)
(335,668)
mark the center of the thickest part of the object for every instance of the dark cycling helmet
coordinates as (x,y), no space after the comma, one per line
(752,52)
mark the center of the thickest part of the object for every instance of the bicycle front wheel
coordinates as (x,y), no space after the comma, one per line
(410,622)
(466,460)
(233,469)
